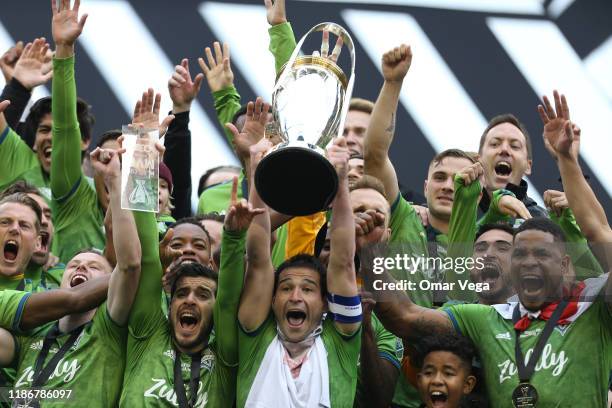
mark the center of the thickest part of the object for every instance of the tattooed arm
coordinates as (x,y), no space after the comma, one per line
(395,65)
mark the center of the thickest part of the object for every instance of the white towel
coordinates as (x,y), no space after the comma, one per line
(275,387)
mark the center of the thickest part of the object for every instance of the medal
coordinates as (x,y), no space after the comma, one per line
(524,395)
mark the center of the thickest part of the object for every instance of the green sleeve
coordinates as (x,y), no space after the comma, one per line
(386,342)
(66,154)
(493,215)
(15,157)
(147,304)
(282,44)
(278,250)
(79,221)
(227,103)
(231,280)
(469,320)
(585,264)
(12,303)
(461,235)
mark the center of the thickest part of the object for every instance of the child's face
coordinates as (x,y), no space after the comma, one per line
(443,380)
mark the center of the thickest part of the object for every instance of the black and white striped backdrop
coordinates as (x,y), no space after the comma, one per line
(472,59)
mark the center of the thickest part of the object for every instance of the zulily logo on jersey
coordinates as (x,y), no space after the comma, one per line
(65,368)
(164,391)
(548,361)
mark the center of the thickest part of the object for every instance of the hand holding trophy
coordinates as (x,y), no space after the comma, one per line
(309,103)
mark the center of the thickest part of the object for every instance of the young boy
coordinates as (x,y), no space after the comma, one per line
(445,371)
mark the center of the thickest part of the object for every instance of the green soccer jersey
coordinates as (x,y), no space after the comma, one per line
(573,370)
(409,237)
(12,303)
(217,198)
(19,162)
(77,215)
(163,223)
(149,374)
(387,345)
(92,368)
(342,358)
(34,279)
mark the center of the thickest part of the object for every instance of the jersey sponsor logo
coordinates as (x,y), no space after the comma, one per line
(551,361)
(529,333)
(503,336)
(162,390)
(67,369)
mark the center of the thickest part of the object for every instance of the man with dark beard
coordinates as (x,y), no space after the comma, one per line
(171,361)
(494,246)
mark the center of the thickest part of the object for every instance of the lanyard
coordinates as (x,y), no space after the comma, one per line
(42,374)
(194,381)
(525,372)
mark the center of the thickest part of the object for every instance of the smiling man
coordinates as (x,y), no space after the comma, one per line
(494,245)
(19,237)
(90,344)
(575,321)
(173,361)
(506,153)
(290,356)
(19,162)
(43,268)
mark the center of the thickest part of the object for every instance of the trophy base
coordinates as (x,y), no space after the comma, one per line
(296,181)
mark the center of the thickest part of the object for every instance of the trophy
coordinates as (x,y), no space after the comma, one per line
(309,103)
(140,170)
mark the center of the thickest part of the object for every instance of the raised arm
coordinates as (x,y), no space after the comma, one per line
(259,283)
(220,80)
(32,68)
(462,225)
(341,275)
(231,274)
(282,40)
(584,261)
(559,135)
(66,154)
(147,304)
(379,135)
(404,318)
(183,90)
(590,215)
(45,307)
(124,279)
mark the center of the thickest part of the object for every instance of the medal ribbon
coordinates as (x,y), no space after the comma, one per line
(42,374)
(179,385)
(525,372)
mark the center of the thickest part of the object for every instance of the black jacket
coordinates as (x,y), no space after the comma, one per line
(520,192)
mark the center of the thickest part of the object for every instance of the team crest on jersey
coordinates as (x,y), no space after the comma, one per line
(169,353)
(208,360)
(36,345)
(562,329)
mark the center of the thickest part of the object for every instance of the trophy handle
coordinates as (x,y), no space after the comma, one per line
(348,41)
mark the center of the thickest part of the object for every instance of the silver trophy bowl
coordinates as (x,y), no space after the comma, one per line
(309,104)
